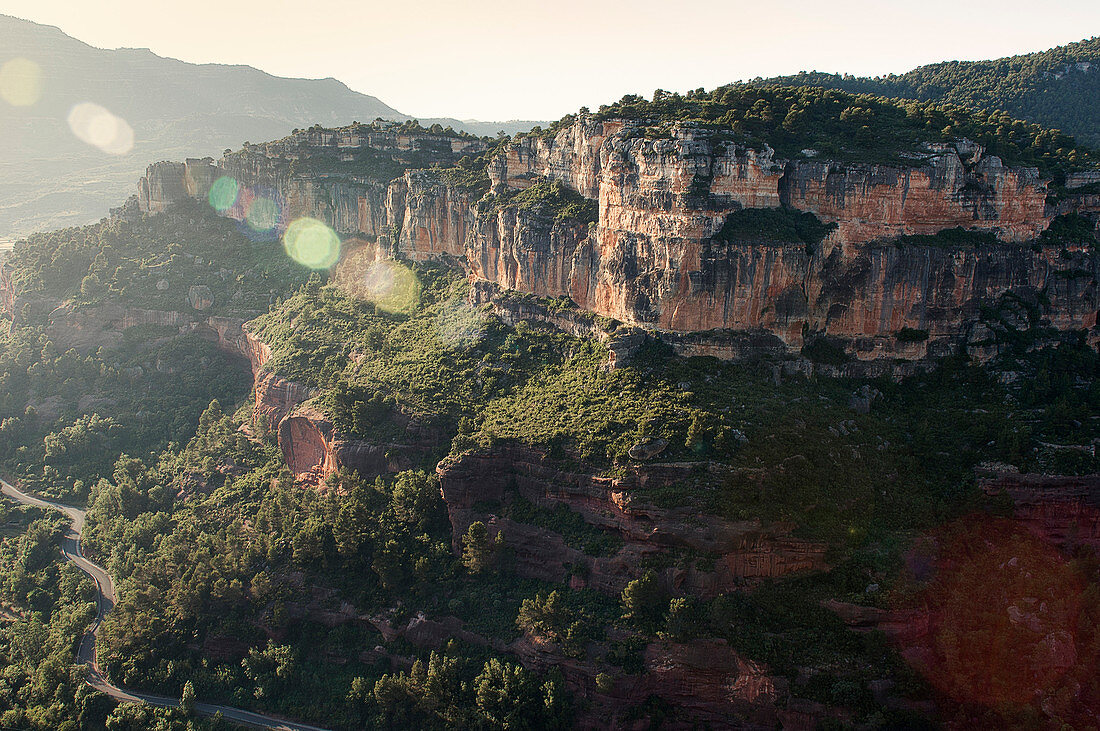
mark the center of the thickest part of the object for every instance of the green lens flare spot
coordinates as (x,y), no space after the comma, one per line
(223,194)
(312,244)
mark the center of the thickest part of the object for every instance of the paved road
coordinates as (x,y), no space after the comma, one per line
(105,600)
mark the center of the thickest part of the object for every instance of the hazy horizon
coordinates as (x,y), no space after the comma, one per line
(507,61)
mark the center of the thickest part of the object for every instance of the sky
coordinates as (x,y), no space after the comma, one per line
(498,60)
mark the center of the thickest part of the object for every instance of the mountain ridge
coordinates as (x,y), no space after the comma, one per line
(1058,87)
(50,179)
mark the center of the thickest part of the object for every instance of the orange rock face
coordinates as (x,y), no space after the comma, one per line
(653,257)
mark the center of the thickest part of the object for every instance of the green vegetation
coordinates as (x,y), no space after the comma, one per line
(950,238)
(470,174)
(1058,88)
(46,606)
(1071,229)
(912,335)
(65,417)
(547,197)
(206,545)
(566,523)
(316,152)
(445,692)
(153,263)
(850,127)
(462,371)
(786,225)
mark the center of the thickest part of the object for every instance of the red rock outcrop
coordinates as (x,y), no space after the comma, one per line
(653,258)
(1063,510)
(474,483)
(314,449)
(708,683)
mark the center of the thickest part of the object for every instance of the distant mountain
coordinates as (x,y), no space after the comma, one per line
(1059,88)
(49,178)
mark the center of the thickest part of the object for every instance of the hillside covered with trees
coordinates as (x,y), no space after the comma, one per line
(1058,88)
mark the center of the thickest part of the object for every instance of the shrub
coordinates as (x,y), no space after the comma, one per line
(912,335)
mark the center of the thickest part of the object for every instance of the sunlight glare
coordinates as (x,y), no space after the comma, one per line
(20,82)
(311,243)
(95,125)
(262,214)
(460,325)
(392,286)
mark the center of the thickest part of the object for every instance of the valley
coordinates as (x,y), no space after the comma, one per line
(763,407)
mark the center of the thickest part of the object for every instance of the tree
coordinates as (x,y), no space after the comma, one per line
(683,617)
(508,696)
(644,601)
(545,616)
(416,500)
(270,669)
(187,700)
(478,549)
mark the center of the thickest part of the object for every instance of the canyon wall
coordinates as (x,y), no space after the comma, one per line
(657,258)
(337,176)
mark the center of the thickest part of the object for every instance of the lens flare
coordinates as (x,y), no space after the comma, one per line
(356,259)
(459,324)
(311,243)
(223,194)
(262,215)
(999,611)
(95,125)
(392,287)
(20,82)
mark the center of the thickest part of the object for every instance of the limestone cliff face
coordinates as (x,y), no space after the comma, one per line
(693,177)
(336,176)
(740,550)
(432,218)
(655,259)
(532,253)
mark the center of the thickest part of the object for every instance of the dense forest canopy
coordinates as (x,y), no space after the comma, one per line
(838,125)
(1058,88)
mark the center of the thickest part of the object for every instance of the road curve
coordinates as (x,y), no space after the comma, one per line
(105,600)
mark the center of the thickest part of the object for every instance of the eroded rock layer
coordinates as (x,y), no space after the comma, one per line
(480,486)
(656,256)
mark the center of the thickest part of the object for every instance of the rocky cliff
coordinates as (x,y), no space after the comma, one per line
(658,255)
(338,176)
(481,486)
(1062,510)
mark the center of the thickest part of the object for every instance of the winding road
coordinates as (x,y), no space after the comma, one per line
(105,600)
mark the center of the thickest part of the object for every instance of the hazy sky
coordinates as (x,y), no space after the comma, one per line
(498,60)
